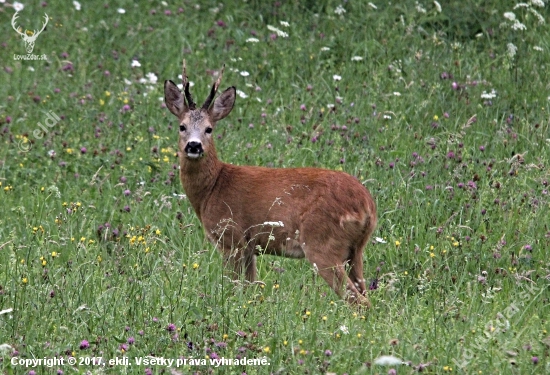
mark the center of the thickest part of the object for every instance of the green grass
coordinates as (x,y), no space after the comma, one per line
(97,243)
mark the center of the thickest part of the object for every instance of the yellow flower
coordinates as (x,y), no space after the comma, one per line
(436,117)
(397,243)
(195,266)
(82,239)
(101,102)
(225,336)
(455,244)
(285,343)
(99,258)
(266,349)
(157,232)
(300,342)
(54,254)
(324,318)
(302,352)
(308,313)
(432,255)
(69,151)
(107,93)
(24,280)
(359,335)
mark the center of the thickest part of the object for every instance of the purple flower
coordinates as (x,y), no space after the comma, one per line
(303,107)
(131,340)
(171,327)
(528,247)
(83,150)
(127,192)
(123,347)
(84,344)
(148,371)
(454,86)
(481,148)
(125,108)
(328,353)
(535,360)
(126,208)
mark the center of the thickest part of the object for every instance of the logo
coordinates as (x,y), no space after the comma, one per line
(29,37)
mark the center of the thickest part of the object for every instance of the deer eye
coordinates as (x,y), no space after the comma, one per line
(208,130)
(182,128)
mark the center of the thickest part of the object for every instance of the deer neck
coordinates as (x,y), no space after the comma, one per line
(198,178)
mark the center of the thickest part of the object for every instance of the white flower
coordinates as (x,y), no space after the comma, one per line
(538,3)
(242,94)
(77,5)
(121,11)
(127,82)
(252,40)
(396,93)
(356,58)
(344,329)
(151,78)
(339,10)
(388,360)
(18,6)
(420,8)
(330,106)
(325,49)
(51,154)
(510,16)
(489,95)
(336,77)
(518,26)
(379,240)
(521,5)
(387,117)
(284,23)
(274,223)
(512,49)
(280,33)
(30,68)
(135,64)
(437,6)
(5,349)
(244,73)
(538,15)
(537,48)
(6,311)
(373,6)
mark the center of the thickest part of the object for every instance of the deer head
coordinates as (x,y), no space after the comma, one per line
(28,39)
(196,124)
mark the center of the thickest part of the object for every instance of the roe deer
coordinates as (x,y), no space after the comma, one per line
(325,216)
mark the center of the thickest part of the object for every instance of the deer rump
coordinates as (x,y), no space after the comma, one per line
(325,216)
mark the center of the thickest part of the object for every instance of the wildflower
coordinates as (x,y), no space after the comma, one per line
(252,40)
(397,243)
(284,23)
(356,58)
(77,5)
(373,6)
(510,16)
(135,64)
(339,10)
(195,266)
(437,6)
(242,94)
(244,73)
(171,327)
(344,329)
(121,11)
(490,95)
(278,32)
(267,349)
(518,26)
(336,77)
(388,360)
(17,6)
(84,344)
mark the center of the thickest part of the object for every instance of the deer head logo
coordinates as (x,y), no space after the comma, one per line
(28,37)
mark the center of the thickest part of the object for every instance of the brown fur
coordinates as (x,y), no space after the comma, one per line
(327,216)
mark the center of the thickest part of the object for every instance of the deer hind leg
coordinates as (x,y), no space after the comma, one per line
(241,261)
(334,273)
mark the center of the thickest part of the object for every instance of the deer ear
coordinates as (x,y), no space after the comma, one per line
(223,105)
(174,99)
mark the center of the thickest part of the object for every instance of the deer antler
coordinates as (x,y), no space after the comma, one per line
(13,20)
(36,33)
(185,82)
(214,89)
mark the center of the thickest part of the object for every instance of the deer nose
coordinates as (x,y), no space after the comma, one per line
(194,147)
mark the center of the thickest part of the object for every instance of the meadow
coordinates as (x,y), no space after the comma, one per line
(441,109)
